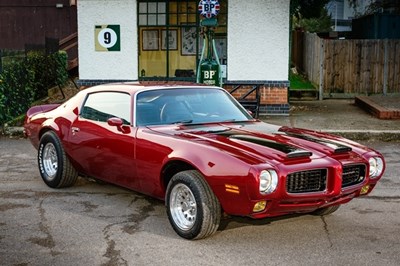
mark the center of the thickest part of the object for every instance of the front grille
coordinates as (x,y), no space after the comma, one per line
(353,175)
(306,181)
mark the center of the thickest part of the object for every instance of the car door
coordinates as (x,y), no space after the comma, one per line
(102,150)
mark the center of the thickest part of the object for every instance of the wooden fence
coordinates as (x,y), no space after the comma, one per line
(352,66)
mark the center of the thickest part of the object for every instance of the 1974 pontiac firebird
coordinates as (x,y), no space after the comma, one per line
(199,150)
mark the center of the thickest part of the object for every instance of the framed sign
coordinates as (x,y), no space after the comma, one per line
(221,46)
(172,40)
(188,40)
(150,41)
(107,38)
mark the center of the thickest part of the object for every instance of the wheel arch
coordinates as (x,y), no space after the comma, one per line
(49,127)
(171,168)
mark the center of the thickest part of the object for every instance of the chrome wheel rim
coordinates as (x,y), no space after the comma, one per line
(50,161)
(183,207)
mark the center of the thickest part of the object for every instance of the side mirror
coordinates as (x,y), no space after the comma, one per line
(117,122)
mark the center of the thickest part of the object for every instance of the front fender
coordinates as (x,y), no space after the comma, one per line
(227,176)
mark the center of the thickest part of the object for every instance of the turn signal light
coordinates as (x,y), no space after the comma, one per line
(260,206)
(364,190)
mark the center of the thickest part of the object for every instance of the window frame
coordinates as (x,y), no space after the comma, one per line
(129,122)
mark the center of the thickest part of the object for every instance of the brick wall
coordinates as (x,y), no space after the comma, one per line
(273,94)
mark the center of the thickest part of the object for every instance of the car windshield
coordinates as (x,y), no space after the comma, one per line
(187,106)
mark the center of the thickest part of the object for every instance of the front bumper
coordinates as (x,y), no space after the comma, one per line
(309,203)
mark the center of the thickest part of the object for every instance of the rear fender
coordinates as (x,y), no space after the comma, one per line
(49,125)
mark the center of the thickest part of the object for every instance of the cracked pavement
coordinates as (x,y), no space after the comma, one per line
(101,224)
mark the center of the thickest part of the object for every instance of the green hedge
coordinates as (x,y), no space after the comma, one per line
(23,82)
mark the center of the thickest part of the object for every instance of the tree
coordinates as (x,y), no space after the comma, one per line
(307,8)
(310,15)
(378,6)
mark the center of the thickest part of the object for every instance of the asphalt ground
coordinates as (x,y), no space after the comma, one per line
(101,224)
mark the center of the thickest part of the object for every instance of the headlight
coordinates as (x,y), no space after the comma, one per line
(375,167)
(268,181)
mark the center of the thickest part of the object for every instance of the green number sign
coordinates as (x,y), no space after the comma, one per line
(107,38)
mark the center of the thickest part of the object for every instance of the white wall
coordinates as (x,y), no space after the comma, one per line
(107,65)
(258,40)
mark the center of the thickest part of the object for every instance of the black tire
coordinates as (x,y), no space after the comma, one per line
(325,211)
(203,217)
(54,166)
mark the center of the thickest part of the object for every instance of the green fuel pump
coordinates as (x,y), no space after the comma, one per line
(209,68)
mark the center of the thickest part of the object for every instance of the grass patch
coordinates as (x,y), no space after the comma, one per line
(298,82)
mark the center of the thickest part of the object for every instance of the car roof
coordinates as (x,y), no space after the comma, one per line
(134,87)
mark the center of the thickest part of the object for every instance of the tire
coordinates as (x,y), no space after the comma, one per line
(193,210)
(325,211)
(54,166)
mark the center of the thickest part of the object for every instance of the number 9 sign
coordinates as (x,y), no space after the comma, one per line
(107,38)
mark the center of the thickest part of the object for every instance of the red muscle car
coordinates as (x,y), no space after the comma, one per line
(199,150)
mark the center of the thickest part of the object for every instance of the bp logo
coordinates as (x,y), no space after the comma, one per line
(107,38)
(209,8)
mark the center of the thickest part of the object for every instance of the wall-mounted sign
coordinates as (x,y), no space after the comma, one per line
(208,8)
(107,38)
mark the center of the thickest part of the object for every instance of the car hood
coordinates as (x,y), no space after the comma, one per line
(266,142)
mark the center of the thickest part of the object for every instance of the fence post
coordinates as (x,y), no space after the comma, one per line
(385,68)
(321,69)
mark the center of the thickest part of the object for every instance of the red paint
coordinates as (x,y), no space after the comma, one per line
(140,158)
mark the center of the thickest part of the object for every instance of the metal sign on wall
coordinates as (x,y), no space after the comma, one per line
(208,8)
(107,38)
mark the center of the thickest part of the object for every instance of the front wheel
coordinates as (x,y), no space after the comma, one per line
(193,210)
(54,166)
(326,211)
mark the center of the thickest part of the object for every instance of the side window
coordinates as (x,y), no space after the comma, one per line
(101,106)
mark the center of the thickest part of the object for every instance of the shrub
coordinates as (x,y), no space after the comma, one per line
(23,82)
(16,91)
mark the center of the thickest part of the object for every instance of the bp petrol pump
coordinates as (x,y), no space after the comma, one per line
(209,68)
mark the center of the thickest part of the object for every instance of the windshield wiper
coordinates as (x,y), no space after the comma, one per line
(188,121)
(234,121)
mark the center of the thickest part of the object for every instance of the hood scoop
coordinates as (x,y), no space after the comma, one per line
(336,147)
(298,154)
(290,151)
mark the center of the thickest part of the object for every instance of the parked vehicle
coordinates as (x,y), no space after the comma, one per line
(199,150)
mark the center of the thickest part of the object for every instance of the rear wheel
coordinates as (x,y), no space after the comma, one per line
(326,211)
(54,166)
(193,210)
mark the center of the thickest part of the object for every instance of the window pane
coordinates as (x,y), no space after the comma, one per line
(142,19)
(161,20)
(104,105)
(142,7)
(161,8)
(152,20)
(152,8)
(173,19)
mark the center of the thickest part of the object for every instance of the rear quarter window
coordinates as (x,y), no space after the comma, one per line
(101,106)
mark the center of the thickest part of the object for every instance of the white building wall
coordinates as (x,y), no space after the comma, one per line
(258,40)
(120,65)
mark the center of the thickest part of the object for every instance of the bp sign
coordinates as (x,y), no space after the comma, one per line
(209,8)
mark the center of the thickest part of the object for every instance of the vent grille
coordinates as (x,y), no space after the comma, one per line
(353,175)
(306,181)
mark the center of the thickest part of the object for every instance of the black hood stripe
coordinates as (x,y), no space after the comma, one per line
(290,151)
(337,148)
